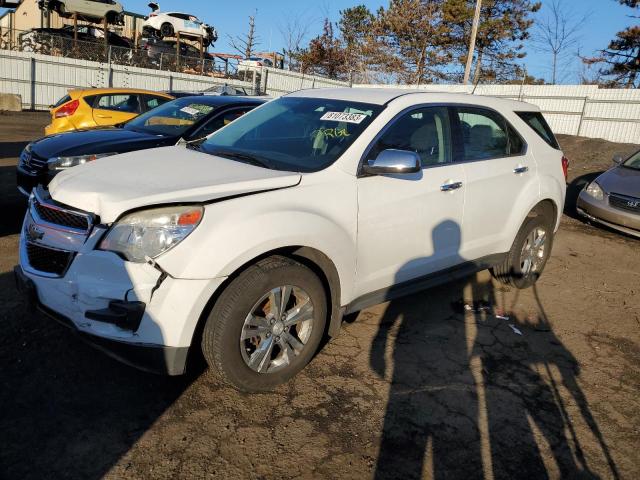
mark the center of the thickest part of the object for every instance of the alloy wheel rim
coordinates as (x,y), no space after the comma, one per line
(277,329)
(533,252)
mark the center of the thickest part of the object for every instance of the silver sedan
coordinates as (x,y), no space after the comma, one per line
(613,199)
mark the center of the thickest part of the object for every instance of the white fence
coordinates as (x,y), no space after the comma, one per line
(42,79)
(583,110)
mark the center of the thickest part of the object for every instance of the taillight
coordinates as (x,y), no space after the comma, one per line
(259,64)
(67,109)
(565,167)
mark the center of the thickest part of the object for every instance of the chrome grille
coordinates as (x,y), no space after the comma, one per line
(623,202)
(48,260)
(64,218)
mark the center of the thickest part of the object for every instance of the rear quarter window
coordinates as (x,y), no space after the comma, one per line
(537,122)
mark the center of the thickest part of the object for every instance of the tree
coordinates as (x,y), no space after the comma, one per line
(325,55)
(412,33)
(557,33)
(246,44)
(621,58)
(294,29)
(364,51)
(504,26)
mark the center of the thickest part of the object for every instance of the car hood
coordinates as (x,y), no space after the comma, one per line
(160,176)
(622,180)
(101,140)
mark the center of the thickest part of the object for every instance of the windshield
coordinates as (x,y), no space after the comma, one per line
(171,118)
(296,134)
(633,162)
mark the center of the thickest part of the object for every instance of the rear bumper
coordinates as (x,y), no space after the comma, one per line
(600,211)
(158,359)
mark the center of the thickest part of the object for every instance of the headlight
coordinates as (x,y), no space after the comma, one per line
(62,163)
(148,233)
(595,191)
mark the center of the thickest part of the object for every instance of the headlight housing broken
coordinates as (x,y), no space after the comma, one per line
(147,234)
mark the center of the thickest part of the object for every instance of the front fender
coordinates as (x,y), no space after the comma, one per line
(234,232)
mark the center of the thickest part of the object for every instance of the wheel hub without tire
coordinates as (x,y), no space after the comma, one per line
(277,329)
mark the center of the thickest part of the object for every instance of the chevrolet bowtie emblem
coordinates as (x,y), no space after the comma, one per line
(34,233)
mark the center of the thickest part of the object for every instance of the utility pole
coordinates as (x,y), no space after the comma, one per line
(472,42)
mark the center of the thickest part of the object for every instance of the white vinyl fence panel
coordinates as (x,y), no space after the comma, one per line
(277,82)
(583,110)
(42,79)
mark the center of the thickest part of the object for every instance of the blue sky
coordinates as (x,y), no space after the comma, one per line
(230,18)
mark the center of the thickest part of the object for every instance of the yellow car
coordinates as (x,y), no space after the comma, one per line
(101,107)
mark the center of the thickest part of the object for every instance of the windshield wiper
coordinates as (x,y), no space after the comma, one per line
(243,157)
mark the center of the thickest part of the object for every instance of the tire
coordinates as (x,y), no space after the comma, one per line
(166,30)
(523,265)
(242,341)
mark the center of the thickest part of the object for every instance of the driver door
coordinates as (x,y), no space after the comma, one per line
(409,225)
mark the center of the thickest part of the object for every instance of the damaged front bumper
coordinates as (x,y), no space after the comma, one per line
(133,311)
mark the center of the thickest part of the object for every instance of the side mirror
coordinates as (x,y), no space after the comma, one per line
(618,159)
(393,161)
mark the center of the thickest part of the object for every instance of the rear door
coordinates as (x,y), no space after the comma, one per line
(498,169)
(114,108)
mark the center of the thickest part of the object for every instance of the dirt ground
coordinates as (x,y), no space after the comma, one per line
(415,387)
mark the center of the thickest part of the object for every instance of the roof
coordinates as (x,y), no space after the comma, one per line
(382,96)
(89,91)
(222,100)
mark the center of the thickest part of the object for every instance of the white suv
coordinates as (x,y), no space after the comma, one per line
(255,243)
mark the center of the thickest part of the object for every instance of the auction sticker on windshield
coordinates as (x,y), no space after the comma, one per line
(197,109)
(344,117)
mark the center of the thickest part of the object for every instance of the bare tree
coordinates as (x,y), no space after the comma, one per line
(246,44)
(294,30)
(558,33)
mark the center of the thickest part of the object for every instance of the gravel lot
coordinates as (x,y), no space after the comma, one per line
(415,387)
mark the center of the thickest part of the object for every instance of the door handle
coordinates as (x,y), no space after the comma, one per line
(520,169)
(447,187)
(103,116)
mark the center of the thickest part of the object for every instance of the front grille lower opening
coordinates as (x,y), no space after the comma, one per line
(48,260)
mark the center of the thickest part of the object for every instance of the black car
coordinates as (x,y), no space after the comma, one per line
(187,119)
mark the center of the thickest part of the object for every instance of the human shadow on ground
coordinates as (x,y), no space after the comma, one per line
(473,395)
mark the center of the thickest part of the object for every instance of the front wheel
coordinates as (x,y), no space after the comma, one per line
(266,326)
(528,255)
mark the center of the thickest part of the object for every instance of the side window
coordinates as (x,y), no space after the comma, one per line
(219,121)
(151,102)
(484,134)
(425,131)
(120,102)
(537,122)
